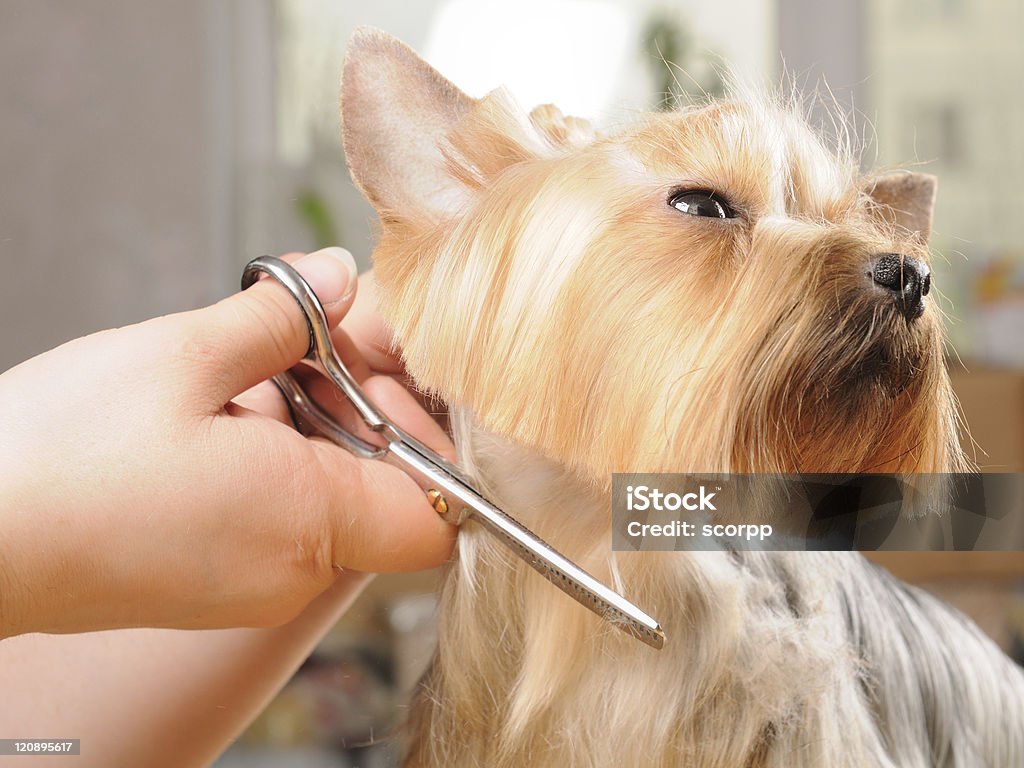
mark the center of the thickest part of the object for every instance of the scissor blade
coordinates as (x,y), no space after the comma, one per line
(570,578)
(546,560)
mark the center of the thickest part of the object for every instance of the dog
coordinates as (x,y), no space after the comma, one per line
(714,289)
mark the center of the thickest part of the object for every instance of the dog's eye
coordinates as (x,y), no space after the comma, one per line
(701,203)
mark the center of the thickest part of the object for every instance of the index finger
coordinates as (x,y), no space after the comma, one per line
(260,332)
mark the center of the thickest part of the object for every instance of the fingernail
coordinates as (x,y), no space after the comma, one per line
(330,272)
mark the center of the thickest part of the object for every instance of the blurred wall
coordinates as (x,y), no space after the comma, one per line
(111,208)
(821,42)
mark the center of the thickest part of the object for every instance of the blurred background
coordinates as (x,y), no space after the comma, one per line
(148,150)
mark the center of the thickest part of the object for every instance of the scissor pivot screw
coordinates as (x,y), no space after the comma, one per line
(437,501)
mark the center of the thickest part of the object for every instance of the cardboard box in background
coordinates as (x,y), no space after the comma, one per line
(984,585)
(992,401)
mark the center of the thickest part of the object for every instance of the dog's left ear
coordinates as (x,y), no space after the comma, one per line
(906,200)
(396,111)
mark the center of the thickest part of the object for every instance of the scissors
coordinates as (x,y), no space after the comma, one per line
(449,491)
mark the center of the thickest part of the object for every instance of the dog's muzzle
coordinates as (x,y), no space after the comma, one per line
(906,279)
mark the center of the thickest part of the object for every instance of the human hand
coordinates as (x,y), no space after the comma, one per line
(148,478)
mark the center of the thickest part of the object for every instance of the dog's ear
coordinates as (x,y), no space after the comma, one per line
(906,200)
(396,111)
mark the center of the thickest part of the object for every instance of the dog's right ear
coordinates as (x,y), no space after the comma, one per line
(906,200)
(395,112)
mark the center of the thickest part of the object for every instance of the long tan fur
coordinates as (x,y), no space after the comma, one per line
(578,325)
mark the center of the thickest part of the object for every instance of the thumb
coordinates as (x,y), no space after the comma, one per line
(261,331)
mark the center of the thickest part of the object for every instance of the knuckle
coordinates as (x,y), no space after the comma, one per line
(265,313)
(312,555)
(339,486)
(307,553)
(307,558)
(300,566)
(277,318)
(184,355)
(198,347)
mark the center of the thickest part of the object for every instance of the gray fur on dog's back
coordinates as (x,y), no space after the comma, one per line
(942,693)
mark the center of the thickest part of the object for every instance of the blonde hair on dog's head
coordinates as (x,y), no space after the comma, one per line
(541,280)
(534,273)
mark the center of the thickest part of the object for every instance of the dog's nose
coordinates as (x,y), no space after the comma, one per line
(908,279)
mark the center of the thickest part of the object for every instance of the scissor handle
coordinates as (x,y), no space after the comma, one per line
(302,405)
(321,349)
(399,446)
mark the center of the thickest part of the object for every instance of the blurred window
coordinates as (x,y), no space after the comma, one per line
(942,79)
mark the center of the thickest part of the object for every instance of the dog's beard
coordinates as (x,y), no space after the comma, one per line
(853,405)
(871,388)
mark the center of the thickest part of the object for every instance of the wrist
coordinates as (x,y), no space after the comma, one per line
(27,551)
(24,485)
(12,610)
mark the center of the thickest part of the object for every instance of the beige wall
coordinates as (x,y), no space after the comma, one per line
(107,167)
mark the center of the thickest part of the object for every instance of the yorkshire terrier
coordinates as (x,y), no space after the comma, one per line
(714,289)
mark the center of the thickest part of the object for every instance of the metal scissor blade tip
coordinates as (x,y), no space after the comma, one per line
(654,637)
(659,642)
(637,624)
